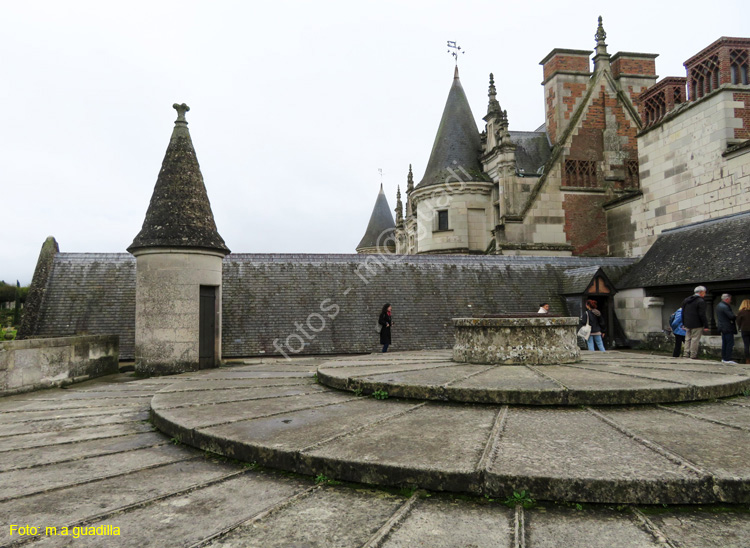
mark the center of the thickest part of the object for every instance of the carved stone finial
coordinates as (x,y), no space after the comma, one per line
(600,35)
(410,180)
(181,110)
(493,106)
(399,207)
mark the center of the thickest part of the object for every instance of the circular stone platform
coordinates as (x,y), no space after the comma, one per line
(609,378)
(277,415)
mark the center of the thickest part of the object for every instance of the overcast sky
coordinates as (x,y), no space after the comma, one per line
(294,105)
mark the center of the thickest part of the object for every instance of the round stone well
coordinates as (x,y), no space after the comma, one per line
(516,339)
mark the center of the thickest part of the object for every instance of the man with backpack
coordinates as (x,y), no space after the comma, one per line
(675,322)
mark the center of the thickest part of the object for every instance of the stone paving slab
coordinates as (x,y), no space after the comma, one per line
(186,519)
(706,529)
(297,430)
(600,378)
(316,520)
(72,505)
(16,483)
(39,439)
(34,427)
(705,445)
(49,454)
(181,399)
(567,454)
(201,416)
(561,527)
(413,449)
(232,384)
(445,523)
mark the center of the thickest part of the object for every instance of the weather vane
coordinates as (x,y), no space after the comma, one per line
(456,49)
(380,170)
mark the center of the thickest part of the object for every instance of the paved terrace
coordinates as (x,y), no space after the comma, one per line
(87,455)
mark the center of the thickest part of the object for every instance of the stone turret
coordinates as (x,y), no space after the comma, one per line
(179,256)
(378,237)
(451,204)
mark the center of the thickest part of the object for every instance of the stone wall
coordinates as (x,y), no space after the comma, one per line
(684,176)
(42,363)
(321,304)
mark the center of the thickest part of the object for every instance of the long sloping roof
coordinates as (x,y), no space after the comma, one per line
(457,144)
(705,252)
(532,151)
(381,226)
(179,214)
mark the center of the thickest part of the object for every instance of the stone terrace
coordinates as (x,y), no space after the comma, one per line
(87,455)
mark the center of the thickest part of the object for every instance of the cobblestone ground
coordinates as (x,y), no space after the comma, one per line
(87,457)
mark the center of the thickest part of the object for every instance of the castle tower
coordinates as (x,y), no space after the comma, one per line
(379,237)
(179,256)
(452,202)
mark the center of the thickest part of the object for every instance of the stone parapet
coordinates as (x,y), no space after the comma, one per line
(32,364)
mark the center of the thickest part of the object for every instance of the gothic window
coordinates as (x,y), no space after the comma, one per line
(580,173)
(632,179)
(656,107)
(704,77)
(738,60)
(442,219)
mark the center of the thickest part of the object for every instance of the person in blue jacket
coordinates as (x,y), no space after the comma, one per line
(679,333)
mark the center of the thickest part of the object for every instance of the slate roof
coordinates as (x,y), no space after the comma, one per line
(704,252)
(179,214)
(92,294)
(457,143)
(577,280)
(265,294)
(532,151)
(380,229)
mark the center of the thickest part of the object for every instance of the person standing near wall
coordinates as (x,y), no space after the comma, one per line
(386,321)
(694,320)
(725,319)
(596,321)
(679,333)
(543,308)
(743,323)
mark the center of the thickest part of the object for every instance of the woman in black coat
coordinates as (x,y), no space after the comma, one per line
(386,321)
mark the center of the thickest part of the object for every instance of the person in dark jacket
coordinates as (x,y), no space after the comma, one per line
(725,319)
(743,323)
(386,321)
(596,321)
(679,333)
(694,320)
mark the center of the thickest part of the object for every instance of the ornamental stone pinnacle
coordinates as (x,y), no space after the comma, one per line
(600,35)
(494,105)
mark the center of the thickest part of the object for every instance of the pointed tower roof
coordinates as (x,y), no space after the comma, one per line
(379,233)
(457,144)
(179,214)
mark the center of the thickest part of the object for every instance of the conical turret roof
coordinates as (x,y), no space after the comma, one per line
(457,143)
(379,233)
(179,214)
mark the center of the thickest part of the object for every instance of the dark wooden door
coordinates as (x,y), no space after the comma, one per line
(207,327)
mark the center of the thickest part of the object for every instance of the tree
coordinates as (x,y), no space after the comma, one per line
(17,310)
